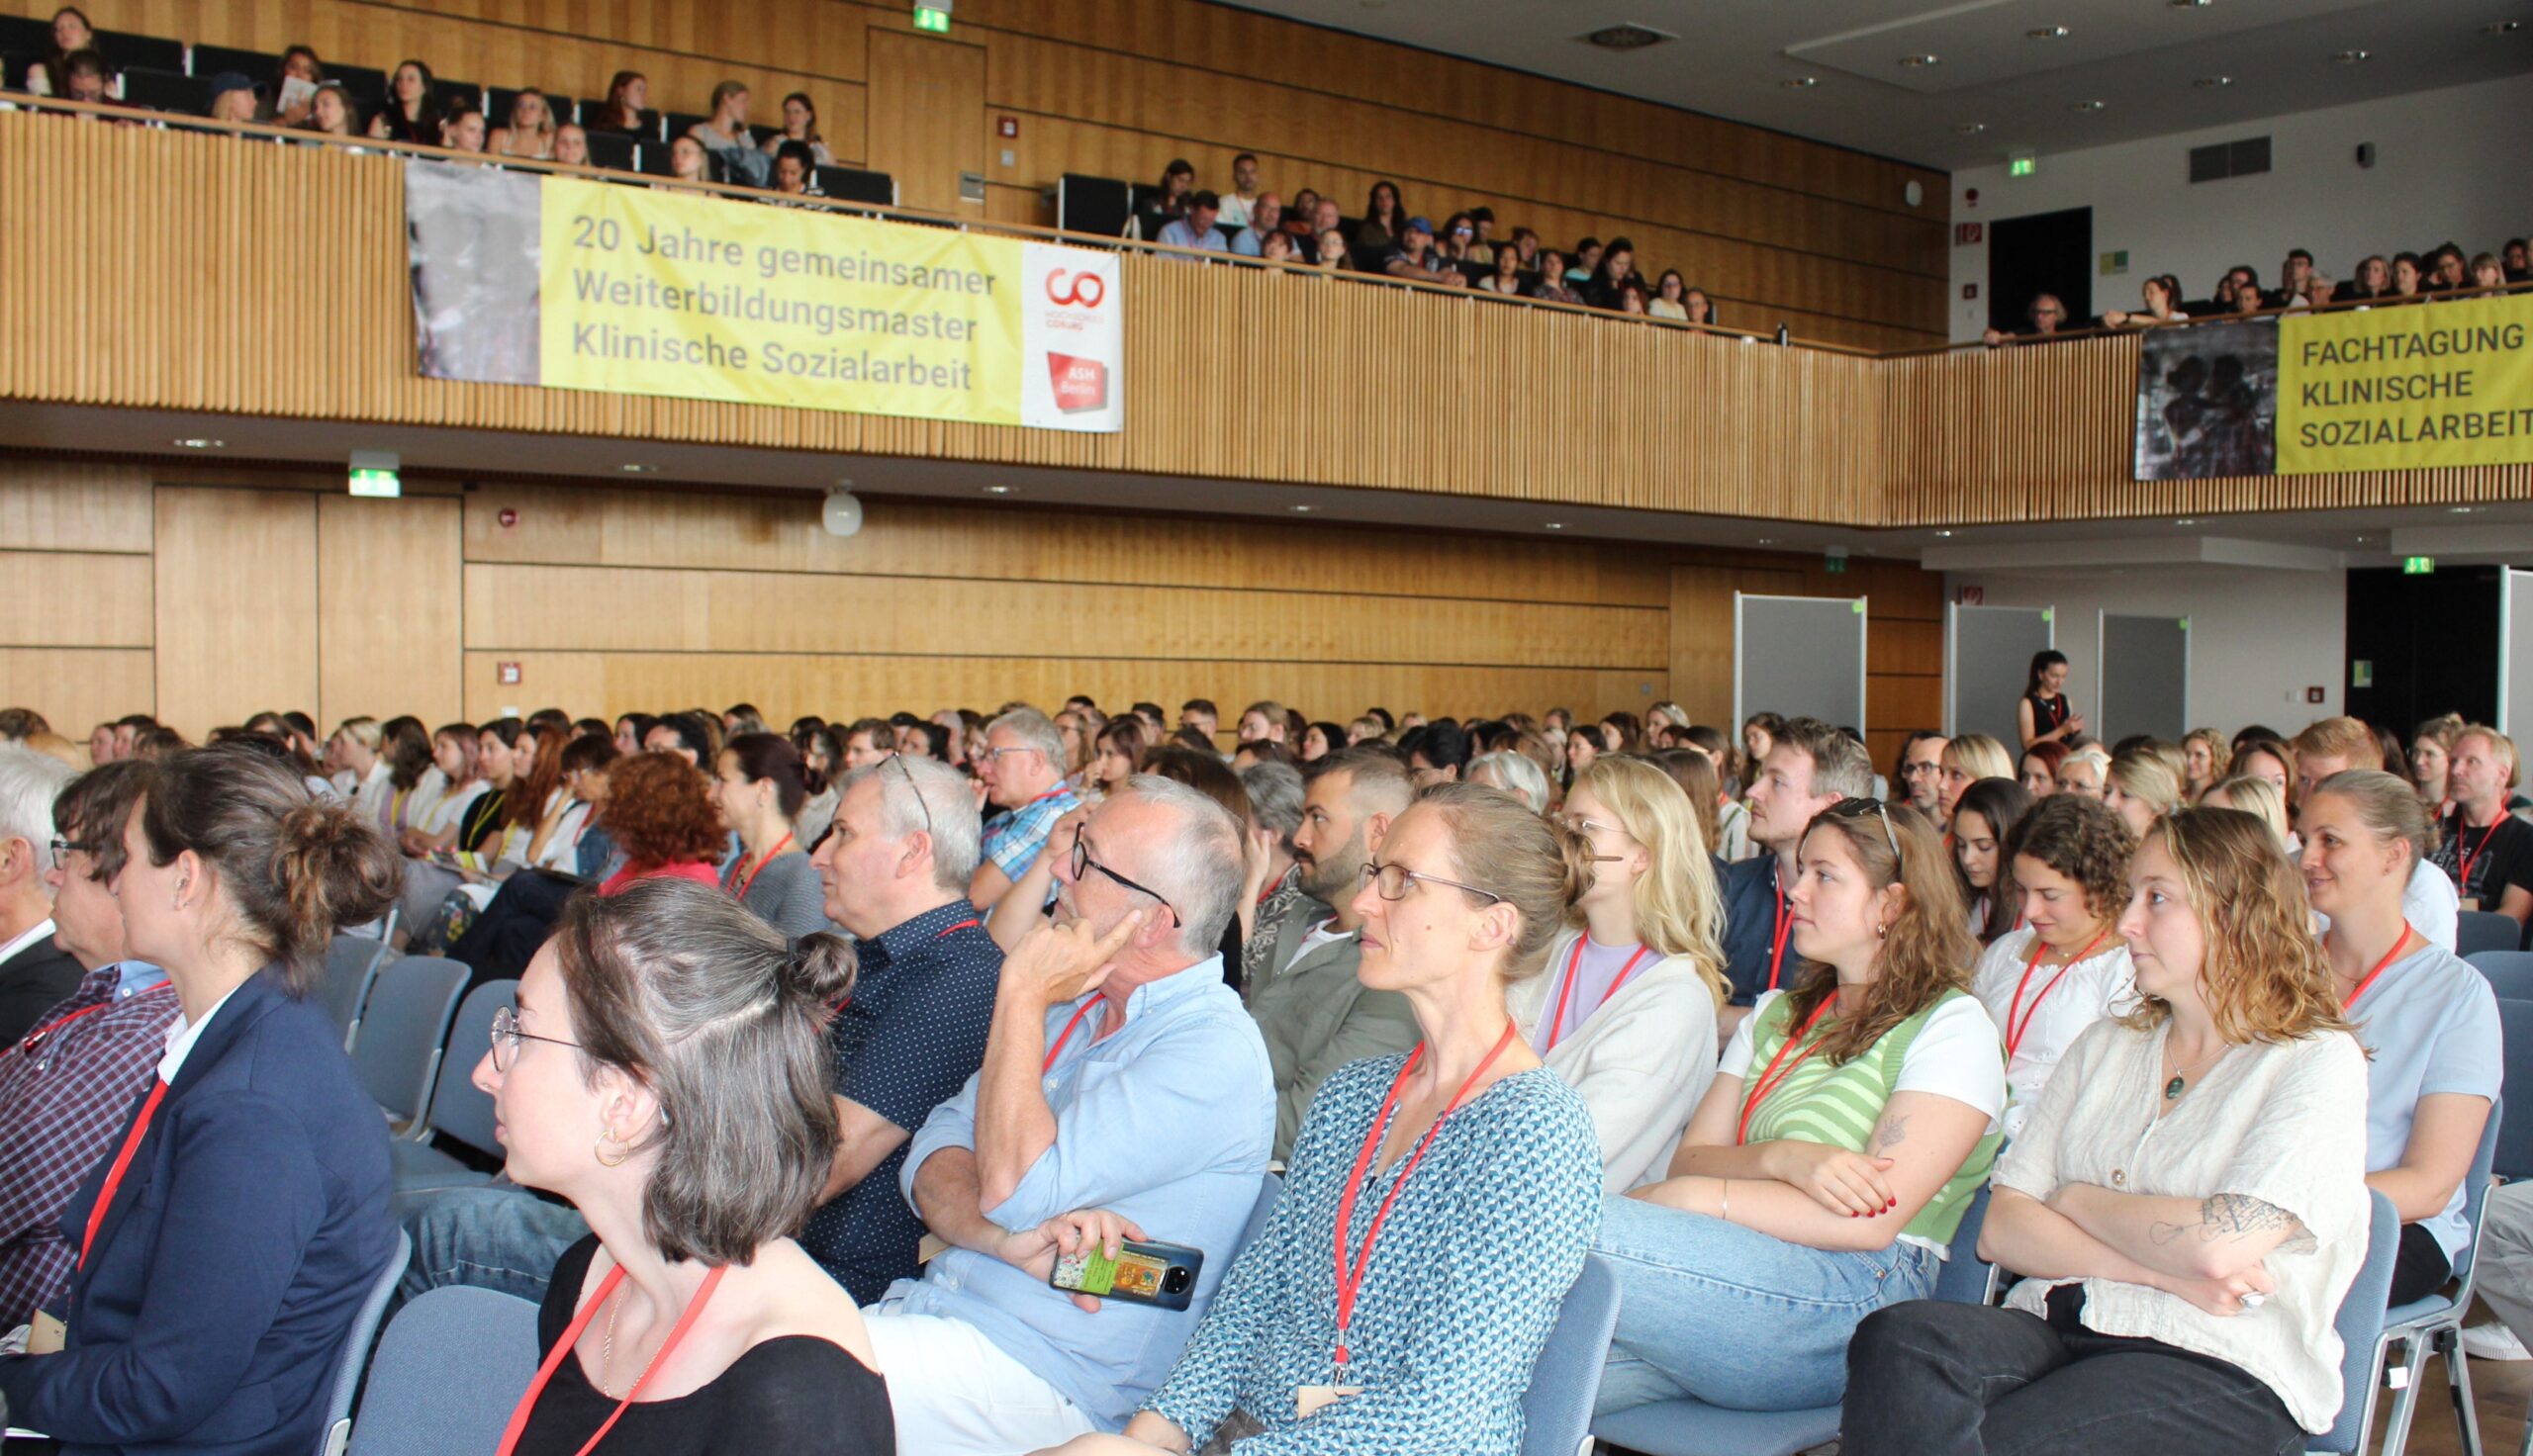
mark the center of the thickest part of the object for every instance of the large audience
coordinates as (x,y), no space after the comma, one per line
(911,1080)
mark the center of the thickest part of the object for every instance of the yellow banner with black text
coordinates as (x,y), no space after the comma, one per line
(2416,387)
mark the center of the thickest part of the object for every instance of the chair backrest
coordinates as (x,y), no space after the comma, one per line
(2475,1191)
(1964,1278)
(351,964)
(2515,1153)
(1557,1409)
(2360,1322)
(404,1029)
(2476,931)
(459,1107)
(2508,972)
(1269,1188)
(355,1356)
(454,1364)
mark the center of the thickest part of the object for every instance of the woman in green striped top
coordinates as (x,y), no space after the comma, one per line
(1828,1166)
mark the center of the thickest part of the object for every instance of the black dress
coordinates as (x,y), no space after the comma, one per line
(2047,714)
(793,1393)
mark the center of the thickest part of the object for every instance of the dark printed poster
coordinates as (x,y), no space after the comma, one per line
(2207,402)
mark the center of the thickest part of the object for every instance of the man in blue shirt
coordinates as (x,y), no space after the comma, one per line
(1265,218)
(1123,1086)
(1023,770)
(1811,766)
(1197,229)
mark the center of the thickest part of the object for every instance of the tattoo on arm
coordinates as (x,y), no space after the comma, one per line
(2229,1215)
(1892,1132)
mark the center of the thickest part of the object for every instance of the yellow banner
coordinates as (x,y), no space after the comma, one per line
(650,292)
(2413,387)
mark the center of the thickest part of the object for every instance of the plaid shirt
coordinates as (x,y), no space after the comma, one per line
(63,1106)
(1013,838)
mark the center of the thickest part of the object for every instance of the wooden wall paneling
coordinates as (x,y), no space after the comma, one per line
(76,599)
(73,505)
(77,688)
(237,605)
(926,100)
(389,609)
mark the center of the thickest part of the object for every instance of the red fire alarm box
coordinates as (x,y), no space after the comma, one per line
(508,672)
(1007,127)
(1965,234)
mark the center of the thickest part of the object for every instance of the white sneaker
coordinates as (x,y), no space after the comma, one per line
(2494,1341)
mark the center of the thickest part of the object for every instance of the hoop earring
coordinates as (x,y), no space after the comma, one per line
(598,1150)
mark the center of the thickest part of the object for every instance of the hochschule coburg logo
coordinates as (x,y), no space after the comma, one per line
(1086,290)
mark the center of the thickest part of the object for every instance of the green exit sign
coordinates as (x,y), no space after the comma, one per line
(2417,566)
(2022,166)
(928,18)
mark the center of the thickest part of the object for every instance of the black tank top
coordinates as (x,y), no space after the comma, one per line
(2047,714)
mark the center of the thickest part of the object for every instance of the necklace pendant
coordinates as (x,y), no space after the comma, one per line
(2172,1089)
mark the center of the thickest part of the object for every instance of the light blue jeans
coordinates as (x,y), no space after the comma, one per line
(500,1237)
(1736,1318)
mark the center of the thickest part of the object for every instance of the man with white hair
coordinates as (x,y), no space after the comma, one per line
(34,974)
(1124,1091)
(1022,770)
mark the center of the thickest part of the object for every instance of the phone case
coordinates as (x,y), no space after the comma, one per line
(1163,1275)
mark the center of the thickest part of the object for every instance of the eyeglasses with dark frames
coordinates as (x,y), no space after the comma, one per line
(1082,861)
(1856,808)
(61,847)
(506,1035)
(1392,882)
(908,774)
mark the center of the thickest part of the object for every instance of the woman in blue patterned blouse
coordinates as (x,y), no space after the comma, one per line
(1462,1183)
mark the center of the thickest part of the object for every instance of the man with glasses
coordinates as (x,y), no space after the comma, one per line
(1124,1088)
(34,972)
(1921,771)
(1809,768)
(67,1085)
(1315,1015)
(1022,770)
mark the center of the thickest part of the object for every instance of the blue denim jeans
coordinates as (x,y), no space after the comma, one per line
(1736,1318)
(502,1237)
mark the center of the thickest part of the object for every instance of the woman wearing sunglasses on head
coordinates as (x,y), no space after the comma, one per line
(1826,1172)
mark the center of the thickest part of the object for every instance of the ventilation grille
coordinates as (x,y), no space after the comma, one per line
(2244,158)
(1629,37)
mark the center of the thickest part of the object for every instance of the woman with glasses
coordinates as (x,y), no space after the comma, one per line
(1441,1200)
(2065,967)
(1436,753)
(222,1251)
(758,786)
(1826,1171)
(667,1073)
(1626,1013)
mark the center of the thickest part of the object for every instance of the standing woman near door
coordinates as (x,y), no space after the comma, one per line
(2044,715)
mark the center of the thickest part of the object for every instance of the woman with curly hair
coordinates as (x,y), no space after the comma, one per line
(2206,760)
(2067,862)
(2187,1203)
(659,811)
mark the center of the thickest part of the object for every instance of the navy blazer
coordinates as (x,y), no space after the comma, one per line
(224,1279)
(1750,899)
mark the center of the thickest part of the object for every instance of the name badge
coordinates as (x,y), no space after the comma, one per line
(1310,1399)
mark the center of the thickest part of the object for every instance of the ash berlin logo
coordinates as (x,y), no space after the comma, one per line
(1078,384)
(1086,292)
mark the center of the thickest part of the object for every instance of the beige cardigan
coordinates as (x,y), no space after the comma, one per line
(1642,1062)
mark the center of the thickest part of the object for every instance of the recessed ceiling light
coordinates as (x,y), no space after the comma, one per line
(2461,509)
(2046,32)
(1915,62)
(1767,540)
(1300,509)
(2352,57)
(2211,83)
(2361,540)
(1556,526)
(1971,129)
(1800,83)
(197,442)
(2085,106)
(2187,4)
(997,490)
(1944,533)
(2187,520)
(2502,28)
(637,469)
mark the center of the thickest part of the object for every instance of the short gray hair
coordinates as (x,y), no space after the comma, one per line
(1514,773)
(29,784)
(1274,798)
(1198,867)
(1035,730)
(955,823)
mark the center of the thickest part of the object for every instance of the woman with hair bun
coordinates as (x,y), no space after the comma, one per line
(1852,1118)
(759,786)
(1461,1180)
(224,1250)
(691,1037)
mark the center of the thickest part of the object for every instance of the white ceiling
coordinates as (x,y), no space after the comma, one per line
(2140,58)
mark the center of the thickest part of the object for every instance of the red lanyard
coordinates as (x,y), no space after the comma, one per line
(571,1336)
(971,923)
(779,845)
(33,1041)
(1773,1078)
(1066,1035)
(2380,966)
(1776,952)
(1350,1278)
(2463,879)
(1573,969)
(122,1163)
(2015,1027)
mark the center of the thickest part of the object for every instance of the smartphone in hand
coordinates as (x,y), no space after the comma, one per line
(1163,1275)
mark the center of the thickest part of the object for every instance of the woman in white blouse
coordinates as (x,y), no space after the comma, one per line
(2067,967)
(2189,1201)
(1626,1013)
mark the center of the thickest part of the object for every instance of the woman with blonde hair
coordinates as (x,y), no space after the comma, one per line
(529,131)
(2141,787)
(2257,797)
(2195,1317)
(1626,1014)
(1967,760)
(2205,757)
(1826,1171)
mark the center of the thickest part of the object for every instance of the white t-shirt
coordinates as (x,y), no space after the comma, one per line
(1233,213)
(2055,1008)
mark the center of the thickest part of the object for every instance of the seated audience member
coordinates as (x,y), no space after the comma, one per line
(1507,276)
(568,846)
(2428,1021)
(1195,228)
(1330,252)
(71,34)
(1435,753)
(465,131)
(867,742)
(795,173)
(332,111)
(2141,787)
(529,130)
(2485,851)
(1493,1195)
(367,779)
(1626,1013)
(1384,221)
(34,972)
(2161,306)
(1264,221)
(689,736)
(821,764)
(1414,257)
(1583,747)
(1615,271)
(1920,773)
(2042,320)
(1022,771)
(1963,761)
(1201,770)
(725,134)
(2044,984)
(689,166)
(1312,1010)
(2040,768)
(659,814)
(2257,797)
(1509,771)
(1805,770)
(412,113)
(1851,1121)
(1986,815)
(1272,891)
(227,1248)
(2262,754)
(1266,721)
(2431,754)
(442,793)
(801,124)
(628,95)
(291,94)
(759,790)
(1551,284)
(1319,740)
(2206,760)
(691,1036)
(2518,261)
(1456,242)
(1115,750)
(484,814)
(1622,733)
(2488,276)
(65,1094)
(1670,301)
(2195,1319)
(572,146)
(2085,771)
(2331,746)
(1123,1090)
